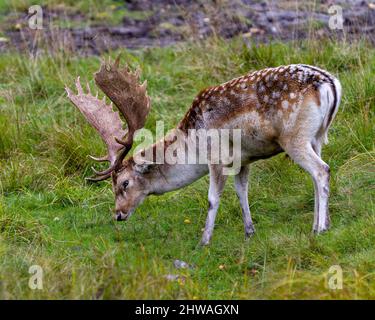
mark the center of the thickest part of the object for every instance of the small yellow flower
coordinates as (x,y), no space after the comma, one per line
(187,221)
(222,267)
(102,15)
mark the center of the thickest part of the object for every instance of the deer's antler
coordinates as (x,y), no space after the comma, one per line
(130,97)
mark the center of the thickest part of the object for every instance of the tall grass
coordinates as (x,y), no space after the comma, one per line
(50,217)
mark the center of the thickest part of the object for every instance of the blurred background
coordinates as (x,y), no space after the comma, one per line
(94,26)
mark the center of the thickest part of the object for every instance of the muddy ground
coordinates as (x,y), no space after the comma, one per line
(165,22)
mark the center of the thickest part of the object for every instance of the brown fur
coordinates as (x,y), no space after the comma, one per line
(288,108)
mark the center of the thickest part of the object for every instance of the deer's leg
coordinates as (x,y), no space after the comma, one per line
(241,182)
(317,146)
(217,182)
(304,155)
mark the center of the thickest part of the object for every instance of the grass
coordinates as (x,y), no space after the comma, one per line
(50,217)
(73,14)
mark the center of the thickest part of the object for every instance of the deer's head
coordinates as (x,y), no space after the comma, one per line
(122,87)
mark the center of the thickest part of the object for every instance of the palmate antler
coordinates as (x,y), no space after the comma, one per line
(123,89)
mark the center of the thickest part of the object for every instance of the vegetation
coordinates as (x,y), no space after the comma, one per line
(107,12)
(50,217)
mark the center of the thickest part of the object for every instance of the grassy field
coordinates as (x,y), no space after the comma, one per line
(50,217)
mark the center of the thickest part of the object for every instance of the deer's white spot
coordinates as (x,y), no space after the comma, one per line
(292,95)
(276,94)
(243,85)
(265,98)
(269,84)
(285,104)
(225,100)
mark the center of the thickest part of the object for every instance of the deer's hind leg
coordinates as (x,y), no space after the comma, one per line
(317,145)
(302,153)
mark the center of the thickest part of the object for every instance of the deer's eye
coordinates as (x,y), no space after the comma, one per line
(125,184)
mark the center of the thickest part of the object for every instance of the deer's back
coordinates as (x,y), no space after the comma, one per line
(264,104)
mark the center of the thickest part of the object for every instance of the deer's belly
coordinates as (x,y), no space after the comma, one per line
(258,137)
(255,147)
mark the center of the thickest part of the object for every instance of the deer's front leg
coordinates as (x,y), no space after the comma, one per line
(217,182)
(241,182)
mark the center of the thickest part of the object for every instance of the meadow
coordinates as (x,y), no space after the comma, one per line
(51,217)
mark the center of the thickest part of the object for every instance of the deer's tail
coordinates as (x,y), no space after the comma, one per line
(330,97)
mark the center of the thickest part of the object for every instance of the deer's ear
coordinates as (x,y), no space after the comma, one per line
(144,167)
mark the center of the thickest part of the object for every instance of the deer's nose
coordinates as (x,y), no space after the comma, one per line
(120,216)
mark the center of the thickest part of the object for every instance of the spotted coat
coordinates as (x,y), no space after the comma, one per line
(271,92)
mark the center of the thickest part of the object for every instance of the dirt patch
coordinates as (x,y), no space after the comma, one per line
(171,21)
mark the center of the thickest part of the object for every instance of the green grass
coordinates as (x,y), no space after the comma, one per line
(50,217)
(71,13)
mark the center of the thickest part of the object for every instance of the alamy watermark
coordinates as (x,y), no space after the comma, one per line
(194,146)
(36,278)
(336,20)
(335,278)
(35,17)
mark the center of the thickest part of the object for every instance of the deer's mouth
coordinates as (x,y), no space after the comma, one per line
(121,216)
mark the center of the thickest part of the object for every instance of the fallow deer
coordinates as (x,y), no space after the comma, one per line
(284,109)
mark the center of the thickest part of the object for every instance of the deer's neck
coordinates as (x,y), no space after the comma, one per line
(167,177)
(172,177)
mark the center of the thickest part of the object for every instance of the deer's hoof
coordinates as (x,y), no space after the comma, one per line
(249,232)
(205,242)
(320,230)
